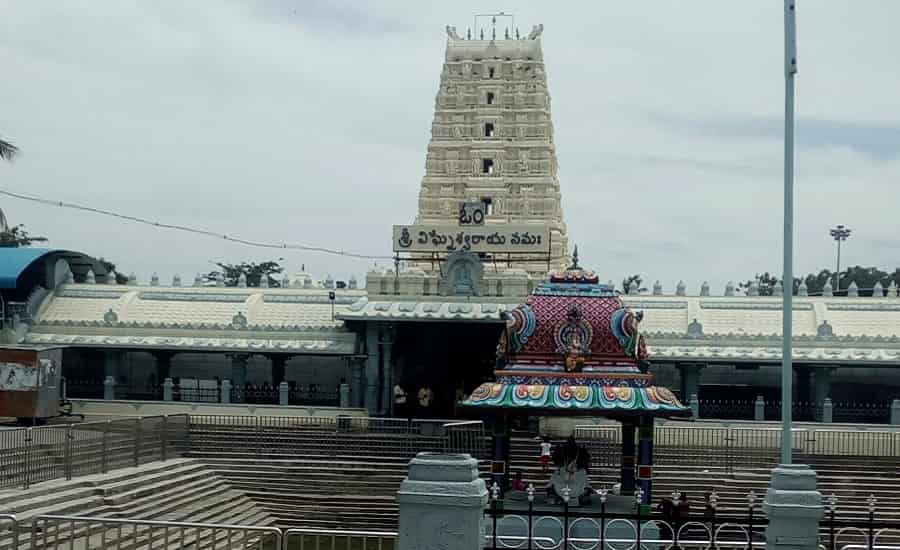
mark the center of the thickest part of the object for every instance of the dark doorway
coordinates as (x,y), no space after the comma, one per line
(451,358)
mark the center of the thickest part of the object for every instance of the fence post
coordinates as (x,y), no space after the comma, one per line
(442,490)
(68,454)
(283,395)
(104,463)
(164,436)
(225,392)
(827,411)
(759,409)
(109,388)
(28,439)
(794,508)
(695,406)
(168,385)
(895,411)
(139,421)
(344,392)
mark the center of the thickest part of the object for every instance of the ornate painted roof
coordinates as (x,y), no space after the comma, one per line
(573,346)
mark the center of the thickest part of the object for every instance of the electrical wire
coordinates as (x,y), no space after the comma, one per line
(204,232)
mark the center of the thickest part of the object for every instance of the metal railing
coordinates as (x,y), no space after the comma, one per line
(734,447)
(50,532)
(332,436)
(596,528)
(338,539)
(9,531)
(32,455)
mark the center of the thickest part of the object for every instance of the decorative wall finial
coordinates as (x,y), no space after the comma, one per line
(892,290)
(90,278)
(220,279)
(853,290)
(482,34)
(878,290)
(285,281)
(111,278)
(176,280)
(132,279)
(729,289)
(657,288)
(827,290)
(451,32)
(352,284)
(264,280)
(803,290)
(536,32)
(154,280)
(704,288)
(506,33)
(753,289)
(468,33)
(517,34)
(680,289)
(198,280)
(778,290)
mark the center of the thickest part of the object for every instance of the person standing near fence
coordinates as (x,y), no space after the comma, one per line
(546,446)
(425,397)
(400,409)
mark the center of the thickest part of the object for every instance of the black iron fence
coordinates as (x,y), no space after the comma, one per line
(855,412)
(527,525)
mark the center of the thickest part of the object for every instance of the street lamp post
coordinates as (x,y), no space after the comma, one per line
(839,233)
(787,364)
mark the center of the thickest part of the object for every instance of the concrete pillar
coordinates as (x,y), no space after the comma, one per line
(163,360)
(114,366)
(827,411)
(645,459)
(283,393)
(278,362)
(895,411)
(357,380)
(109,388)
(239,374)
(759,409)
(822,383)
(694,403)
(794,508)
(690,380)
(803,376)
(225,391)
(442,503)
(500,441)
(628,458)
(387,372)
(371,372)
(344,392)
(168,386)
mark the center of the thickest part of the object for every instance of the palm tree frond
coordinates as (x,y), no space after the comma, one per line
(7,150)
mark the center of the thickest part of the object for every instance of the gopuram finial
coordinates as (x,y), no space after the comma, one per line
(575,266)
(517,33)
(468,33)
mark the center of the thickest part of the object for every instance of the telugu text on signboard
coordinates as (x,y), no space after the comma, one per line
(449,238)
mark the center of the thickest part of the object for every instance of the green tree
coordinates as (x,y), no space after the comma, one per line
(7,150)
(253,271)
(109,266)
(16,236)
(864,277)
(636,279)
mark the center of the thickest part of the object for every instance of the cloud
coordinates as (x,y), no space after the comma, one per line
(308,122)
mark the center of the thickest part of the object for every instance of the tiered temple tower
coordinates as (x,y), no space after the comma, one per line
(492,140)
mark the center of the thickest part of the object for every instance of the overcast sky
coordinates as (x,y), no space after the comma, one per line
(307,121)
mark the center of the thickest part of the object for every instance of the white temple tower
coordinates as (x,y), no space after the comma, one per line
(492,140)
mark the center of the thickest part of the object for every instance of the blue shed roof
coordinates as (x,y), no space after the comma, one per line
(13,261)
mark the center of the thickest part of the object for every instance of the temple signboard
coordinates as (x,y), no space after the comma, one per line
(449,238)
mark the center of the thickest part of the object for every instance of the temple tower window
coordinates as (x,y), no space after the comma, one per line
(488,129)
(487,166)
(490,98)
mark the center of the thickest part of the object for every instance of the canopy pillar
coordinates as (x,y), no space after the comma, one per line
(628,457)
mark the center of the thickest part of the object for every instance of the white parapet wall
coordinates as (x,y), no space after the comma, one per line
(98,408)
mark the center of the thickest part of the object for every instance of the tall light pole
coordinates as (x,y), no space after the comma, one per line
(839,233)
(787,366)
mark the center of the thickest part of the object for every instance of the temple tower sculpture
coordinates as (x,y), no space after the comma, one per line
(492,140)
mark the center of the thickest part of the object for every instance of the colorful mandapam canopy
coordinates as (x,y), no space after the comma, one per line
(572,347)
